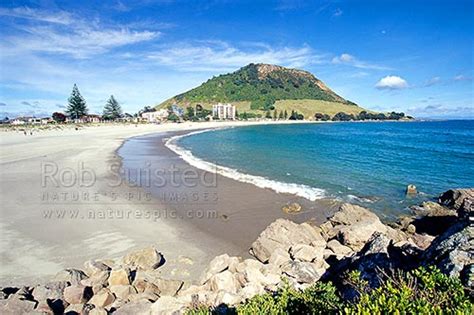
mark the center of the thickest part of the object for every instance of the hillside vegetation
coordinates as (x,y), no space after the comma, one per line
(257,88)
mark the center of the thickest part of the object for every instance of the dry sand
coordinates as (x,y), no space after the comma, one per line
(44,230)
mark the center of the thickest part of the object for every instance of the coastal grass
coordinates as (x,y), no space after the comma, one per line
(307,107)
(421,291)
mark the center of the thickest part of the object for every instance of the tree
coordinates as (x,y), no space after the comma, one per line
(189,114)
(321,117)
(173,117)
(286,114)
(59,117)
(280,117)
(275,114)
(341,116)
(112,109)
(77,104)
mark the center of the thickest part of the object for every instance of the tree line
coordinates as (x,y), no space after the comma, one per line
(77,108)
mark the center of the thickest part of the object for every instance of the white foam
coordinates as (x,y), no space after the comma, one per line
(304,191)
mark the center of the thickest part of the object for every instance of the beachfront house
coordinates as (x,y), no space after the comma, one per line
(223,111)
(92,118)
(155,116)
(47,120)
(34,121)
(19,121)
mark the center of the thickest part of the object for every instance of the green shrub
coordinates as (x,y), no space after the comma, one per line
(422,291)
(320,298)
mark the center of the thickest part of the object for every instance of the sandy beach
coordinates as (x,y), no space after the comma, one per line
(46,226)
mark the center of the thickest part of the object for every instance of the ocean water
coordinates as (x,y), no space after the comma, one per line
(366,163)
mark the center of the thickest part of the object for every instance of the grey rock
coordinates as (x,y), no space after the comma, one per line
(453,251)
(147,258)
(461,200)
(282,234)
(73,276)
(302,272)
(137,308)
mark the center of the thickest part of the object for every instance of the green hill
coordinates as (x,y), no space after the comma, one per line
(259,87)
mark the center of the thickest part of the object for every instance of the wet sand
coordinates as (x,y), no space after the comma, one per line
(45,228)
(224,209)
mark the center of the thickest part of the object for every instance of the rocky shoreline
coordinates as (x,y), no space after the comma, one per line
(439,234)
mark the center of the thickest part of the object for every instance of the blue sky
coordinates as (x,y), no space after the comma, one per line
(411,56)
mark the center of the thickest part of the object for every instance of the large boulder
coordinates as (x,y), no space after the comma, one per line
(77,294)
(73,276)
(122,291)
(453,251)
(102,298)
(147,258)
(284,234)
(137,308)
(302,272)
(356,225)
(219,264)
(167,305)
(92,267)
(225,281)
(461,200)
(17,306)
(338,249)
(303,252)
(119,276)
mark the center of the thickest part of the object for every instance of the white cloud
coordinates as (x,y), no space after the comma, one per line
(80,39)
(442,110)
(221,56)
(350,60)
(462,78)
(391,82)
(433,81)
(57,17)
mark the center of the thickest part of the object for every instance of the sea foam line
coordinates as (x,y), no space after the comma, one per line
(300,190)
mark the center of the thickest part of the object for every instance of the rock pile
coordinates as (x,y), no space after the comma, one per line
(285,252)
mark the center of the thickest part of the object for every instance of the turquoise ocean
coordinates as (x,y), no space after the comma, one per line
(365,163)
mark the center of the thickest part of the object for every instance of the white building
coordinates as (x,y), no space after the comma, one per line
(155,116)
(223,111)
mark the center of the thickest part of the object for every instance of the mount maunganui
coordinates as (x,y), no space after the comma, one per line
(256,87)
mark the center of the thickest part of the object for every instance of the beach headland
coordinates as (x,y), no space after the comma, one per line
(50,221)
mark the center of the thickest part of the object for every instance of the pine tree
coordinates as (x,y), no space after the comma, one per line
(77,104)
(112,109)
(286,114)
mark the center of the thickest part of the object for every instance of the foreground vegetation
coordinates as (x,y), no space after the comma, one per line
(421,291)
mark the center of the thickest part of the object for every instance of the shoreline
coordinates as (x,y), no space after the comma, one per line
(32,247)
(29,250)
(304,191)
(242,210)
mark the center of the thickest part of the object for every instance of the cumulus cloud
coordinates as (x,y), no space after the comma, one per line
(391,82)
(350,60)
